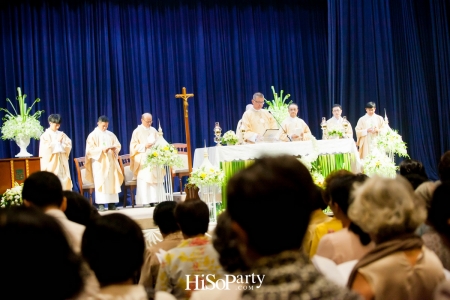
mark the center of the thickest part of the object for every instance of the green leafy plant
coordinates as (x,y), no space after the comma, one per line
(229,138)
(278,106)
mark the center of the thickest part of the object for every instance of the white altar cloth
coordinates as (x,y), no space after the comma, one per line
(219,154)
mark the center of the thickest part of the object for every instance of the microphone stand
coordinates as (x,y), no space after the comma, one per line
(280,126)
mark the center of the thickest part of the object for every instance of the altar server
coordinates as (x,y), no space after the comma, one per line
(143,139)
(257,120)
(102,165)
(367,128)
(337,121)
(293,128)
(54,150)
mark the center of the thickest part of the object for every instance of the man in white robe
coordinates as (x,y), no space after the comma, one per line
(54,150)
(240,129)
(293,128)
(143,139)
(338,122)
(257,120)
(367,129)
(102,165)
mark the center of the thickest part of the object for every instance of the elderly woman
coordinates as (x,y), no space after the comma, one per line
(400,266)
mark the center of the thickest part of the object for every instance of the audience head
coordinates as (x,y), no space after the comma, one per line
(193,217)
(444,167)
(43,190)
(37,260)
(226,244)
(425,192)
(387,208)
(102,123)
(317,201)
(78,209)
(272,197)
(415,180)
(164,217)
(412,166)
(104,238)
(439,212)
(332,176)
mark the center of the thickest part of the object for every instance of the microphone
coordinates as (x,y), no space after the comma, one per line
(280,126)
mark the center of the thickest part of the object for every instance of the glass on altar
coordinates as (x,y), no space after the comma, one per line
(323,125)
(217,134)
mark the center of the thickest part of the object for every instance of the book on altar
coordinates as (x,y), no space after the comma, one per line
(338,274)
(298,131)
(270,133)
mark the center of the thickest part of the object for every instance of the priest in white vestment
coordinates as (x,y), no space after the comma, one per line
(240,128)
(142,140)
(54,150)
(367,129)
(293,128)
(338,122)
(102,165)
(257,120)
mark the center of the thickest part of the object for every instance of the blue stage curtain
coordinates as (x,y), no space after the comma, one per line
(396,54)
(123,58)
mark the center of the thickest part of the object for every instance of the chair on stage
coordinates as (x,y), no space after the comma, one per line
(128,182)
(183,171)
(85,186)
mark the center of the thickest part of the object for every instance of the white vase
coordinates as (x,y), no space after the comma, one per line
(23,144)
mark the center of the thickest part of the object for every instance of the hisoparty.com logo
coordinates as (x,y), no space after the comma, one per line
(209,282)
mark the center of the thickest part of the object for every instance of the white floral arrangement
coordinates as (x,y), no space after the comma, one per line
(12,196)
(230,138)
(163,155)
(207,176)
(378,163)
(278,106)
(389,141)
(21,125)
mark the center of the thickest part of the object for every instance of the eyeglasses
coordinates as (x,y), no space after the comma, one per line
(259,102)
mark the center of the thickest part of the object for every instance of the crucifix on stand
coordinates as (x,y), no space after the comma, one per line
(185,98)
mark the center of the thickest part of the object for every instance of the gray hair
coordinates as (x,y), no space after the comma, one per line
(257,95)
(386,208)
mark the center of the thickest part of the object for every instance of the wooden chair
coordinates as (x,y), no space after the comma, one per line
(128,182)
(184,170)
(82,182)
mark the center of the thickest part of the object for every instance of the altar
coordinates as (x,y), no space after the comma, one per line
(334,154)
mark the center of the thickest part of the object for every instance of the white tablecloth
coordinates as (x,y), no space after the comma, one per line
(252,151)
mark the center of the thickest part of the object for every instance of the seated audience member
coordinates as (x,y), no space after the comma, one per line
(351,242)
(430,237)
(400,266)
(78,209)
(269,204)
(44,191)
(415,180)
(226,244)
(103,239)
(412,166)
(193,256)
(317,217)
(37,260)
(164,218)
(444,167)
(331,225)
(439,217)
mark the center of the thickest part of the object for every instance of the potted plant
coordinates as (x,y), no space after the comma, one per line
(278,106)
(22,126)
(230,138)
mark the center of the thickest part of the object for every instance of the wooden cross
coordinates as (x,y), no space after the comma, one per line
(185,97)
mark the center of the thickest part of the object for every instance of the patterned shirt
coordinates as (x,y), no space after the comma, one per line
(290,275)
(194,257)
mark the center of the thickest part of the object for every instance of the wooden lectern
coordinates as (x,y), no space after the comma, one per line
(17,170)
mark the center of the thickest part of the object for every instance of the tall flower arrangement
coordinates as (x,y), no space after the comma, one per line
(278,106)
(163,155)
(21,125)
(207,175)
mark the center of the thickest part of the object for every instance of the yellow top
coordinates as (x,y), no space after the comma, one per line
(332,225)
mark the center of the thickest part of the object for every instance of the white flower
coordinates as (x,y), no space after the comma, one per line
(163,155)
(207,176)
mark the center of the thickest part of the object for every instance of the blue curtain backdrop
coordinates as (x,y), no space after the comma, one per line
(396,54)
(123,58)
